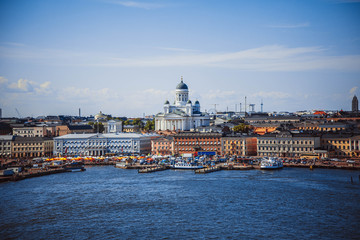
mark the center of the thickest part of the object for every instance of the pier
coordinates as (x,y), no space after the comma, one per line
(208,170)
(152,169)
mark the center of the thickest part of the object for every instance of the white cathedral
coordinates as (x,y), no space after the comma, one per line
(183,115)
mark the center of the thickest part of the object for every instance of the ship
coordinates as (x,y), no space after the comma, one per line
(185,166)
(271,163)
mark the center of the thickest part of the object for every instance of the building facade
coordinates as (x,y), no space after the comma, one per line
(195,143)
(287,144)
(5,145)
(339,145)
(183,115)
(30,147)
(162,146)
(103,144)
(239,145)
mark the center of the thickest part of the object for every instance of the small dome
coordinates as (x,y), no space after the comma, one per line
(197,102)
(182,86)
(167,102)
(189,101)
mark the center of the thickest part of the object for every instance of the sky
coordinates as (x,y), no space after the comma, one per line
(125,58)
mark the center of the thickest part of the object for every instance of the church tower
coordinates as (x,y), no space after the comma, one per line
(355,104)
(182,94)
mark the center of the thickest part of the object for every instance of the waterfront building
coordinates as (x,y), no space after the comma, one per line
(183,115)
(197,143)
(355,146)
(162,146)
(287,144)
(239,145)
(30,147)
(5,145)
(97,144)
(339,145)
(355,104)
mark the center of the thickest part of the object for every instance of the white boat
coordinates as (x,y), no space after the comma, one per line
(186,166)
(271,163)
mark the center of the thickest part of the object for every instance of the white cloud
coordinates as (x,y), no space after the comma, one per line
(3,80)
(22,85)
(43,88)
(353,90)
(267,58)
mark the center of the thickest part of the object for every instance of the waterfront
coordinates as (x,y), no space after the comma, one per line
(109,203)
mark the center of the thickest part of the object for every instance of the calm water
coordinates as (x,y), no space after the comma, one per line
(110,203)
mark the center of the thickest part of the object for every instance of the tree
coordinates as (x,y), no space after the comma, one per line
(243,128)
(99,127)
(150,125)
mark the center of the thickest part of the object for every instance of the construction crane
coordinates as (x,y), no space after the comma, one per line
(18,112)
(215,106)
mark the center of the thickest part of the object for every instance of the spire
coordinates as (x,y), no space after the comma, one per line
(181,78)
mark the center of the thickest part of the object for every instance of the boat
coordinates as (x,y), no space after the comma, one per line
(185,166)
(74,167)
(271,163)
(122,165)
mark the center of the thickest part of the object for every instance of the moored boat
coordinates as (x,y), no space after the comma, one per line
(186,166)
(271,163)
(74,167)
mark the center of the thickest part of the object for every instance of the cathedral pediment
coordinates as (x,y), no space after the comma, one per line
(174,115)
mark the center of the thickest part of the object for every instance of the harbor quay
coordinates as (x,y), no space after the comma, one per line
(15,170)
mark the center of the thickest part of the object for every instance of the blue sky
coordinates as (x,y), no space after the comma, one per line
(125,58)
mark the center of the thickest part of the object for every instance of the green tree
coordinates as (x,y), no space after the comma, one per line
(150,125)
(99,127)
(243,128)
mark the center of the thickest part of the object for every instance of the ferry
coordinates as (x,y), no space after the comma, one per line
(271,163)
(185,166)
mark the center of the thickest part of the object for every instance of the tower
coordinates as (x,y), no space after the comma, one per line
(355,104)
(182,94)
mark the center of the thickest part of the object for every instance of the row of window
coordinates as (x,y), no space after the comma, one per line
(284,142)
(191,149)
(233,142)
(28,149)
(295,149)
(196,143)
(27,144)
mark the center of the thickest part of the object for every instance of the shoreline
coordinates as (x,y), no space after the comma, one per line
(30,173)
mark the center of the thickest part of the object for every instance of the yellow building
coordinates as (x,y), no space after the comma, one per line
(29,147)
(239,146)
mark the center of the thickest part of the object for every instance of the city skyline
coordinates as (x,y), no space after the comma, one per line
(125,58)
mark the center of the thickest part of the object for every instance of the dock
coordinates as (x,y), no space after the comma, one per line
(31,174)
(208,170)
(152,169)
